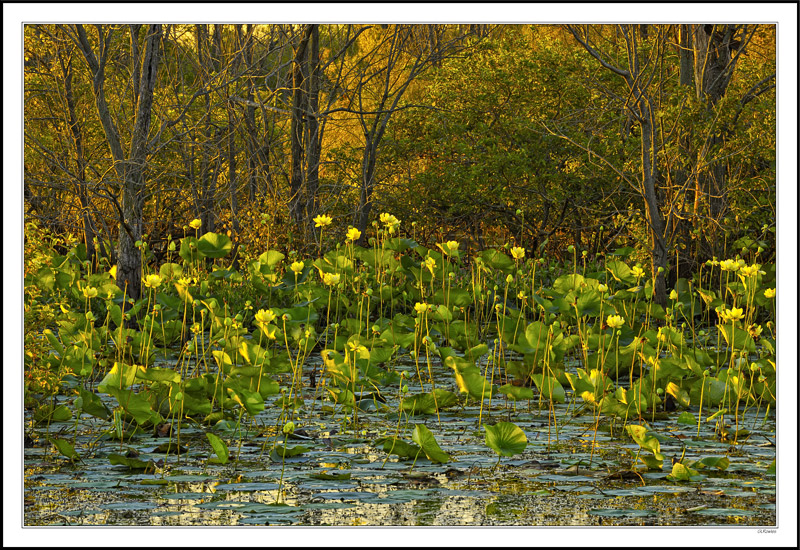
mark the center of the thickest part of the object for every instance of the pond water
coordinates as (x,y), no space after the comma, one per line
(344,478)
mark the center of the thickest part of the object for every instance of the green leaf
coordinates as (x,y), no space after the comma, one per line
(220,449)
(497,260)
(423,437)
(280,452)
(566,283)
(132,463)
(134,404)
(271,258)
(506,438)
(90,403)
(718,462)
(213,245)
(170,270)
(65,448)
(398,447)
(516,393)
(549,387)
(687,418)
(426,403)
(681,472)
(156,374)
(120,376)
(644,440)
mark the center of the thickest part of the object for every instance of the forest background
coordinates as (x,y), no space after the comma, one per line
(543,136)
(659,138)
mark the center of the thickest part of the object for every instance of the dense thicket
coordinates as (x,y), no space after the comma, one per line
(659,137)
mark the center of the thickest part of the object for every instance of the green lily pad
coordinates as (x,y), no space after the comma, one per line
(506,438)
(621,512)
(724,512)
(220,449)
(214,245)
(423,437)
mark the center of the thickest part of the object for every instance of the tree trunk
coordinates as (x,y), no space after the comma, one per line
(129,265)
(686,55)
(314,139)
(714,65)
(299,107)
(130,168)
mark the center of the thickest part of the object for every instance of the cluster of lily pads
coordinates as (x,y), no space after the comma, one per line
(209,344)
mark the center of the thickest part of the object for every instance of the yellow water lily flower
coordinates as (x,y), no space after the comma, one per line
(602,288)
(331,279)
(769,293)
(420,307)
(749,270)
(615,321)
(517,252)
(430,263)
(673,295)
(322,220)
(729,265)
(733,314)
(113,272)
(195,223)
(152,281)
(265,316)
(297,267)
(353,234)
(89,292)
(637,271)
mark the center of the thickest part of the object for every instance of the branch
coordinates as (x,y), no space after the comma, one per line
(594,53)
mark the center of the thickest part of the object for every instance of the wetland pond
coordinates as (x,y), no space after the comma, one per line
(341,476)
(399,385)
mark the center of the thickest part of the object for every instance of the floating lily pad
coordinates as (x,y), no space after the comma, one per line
(347,495)
(186,496)
(130,506)
(724,512)
(621,512)
(247,486)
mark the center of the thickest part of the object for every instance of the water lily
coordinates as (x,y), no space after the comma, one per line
(420,307)
(517,252)
(734,314)
(430,263)
(602,288)
(615,321)
(769,293)
(729,265)
(323,220)
(451,246)
(673,295)
(637,271)
(265,316)
(195,224)
(89,292)
(152,281)
(113,272)
(353,234)
(749,270)
(297,267)
(330,279)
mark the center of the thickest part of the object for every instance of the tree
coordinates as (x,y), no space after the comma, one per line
(131,168)
(641,59)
